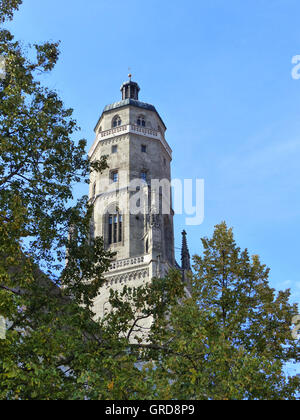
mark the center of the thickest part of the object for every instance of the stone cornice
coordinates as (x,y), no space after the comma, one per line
(127,276)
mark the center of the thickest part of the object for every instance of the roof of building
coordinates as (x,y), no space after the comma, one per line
(132,102)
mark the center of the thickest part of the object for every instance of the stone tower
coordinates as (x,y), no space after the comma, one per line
(132,134)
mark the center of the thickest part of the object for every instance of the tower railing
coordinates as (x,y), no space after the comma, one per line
(127,262)
(136,129)
(130,127)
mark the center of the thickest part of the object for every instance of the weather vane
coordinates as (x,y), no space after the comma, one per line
(129,75)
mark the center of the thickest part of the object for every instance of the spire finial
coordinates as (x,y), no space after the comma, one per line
(185,254)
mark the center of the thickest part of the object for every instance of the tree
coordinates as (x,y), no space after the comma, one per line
(54,348)
(232,338)
(229,340)
(39,165)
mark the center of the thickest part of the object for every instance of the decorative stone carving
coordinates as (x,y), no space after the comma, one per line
(127,277)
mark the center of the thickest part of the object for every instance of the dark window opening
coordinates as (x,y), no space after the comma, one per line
(110,229)
(120,228)
(144,176)
(115,176)
(115,228)
(141,121)
(116,122)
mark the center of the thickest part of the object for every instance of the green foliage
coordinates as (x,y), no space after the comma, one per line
(39,166)
(229,339)
(7,9)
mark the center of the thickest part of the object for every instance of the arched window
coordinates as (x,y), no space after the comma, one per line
(141,121)
(115,228)
(116,122)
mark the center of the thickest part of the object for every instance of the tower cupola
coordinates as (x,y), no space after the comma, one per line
(130,90)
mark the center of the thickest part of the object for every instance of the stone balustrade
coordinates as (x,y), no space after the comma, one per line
(113,131)
(126,263)
(131,128)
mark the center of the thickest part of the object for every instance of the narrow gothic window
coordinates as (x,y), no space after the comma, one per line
(144,149)
(141,121)
(120,228)
(114,149)
(115,228)
(116,121)
(110,228)
(94,189)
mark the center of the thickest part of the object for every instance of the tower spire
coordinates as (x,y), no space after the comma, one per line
(186,263)
(185,254)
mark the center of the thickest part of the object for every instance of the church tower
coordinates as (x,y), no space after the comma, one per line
(128,212)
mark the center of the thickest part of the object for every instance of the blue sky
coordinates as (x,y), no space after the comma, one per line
(219,73)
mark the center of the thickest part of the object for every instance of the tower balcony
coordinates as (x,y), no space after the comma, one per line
(129,262)
(128,270)
(130,129)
